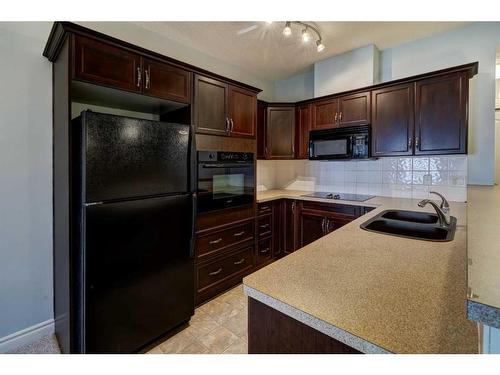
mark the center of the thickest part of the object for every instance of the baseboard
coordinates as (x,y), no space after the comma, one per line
(26,336)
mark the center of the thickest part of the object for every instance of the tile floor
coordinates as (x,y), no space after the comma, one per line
(218,327)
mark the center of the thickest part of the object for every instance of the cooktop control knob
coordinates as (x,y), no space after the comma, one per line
(336,196)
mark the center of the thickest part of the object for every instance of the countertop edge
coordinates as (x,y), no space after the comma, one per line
(318,324)
(484,314)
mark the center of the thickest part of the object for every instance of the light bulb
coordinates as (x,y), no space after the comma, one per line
(305,36)
(287,31)
(319,46)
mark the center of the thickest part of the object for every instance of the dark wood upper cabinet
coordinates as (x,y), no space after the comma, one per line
(166,81)
(211,106)
(242,112)
(281,132)
(104,64)
(303,126)
(261,130)
(354,109)
(392,120)
(325,114)
(441,115)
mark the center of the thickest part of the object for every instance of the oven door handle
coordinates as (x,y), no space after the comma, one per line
(227,165)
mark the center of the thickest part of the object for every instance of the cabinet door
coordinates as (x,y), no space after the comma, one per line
(325,114)
(311,227)
(166,81)
(289,222)
(303,126)
(242,112)
(393,120)
(261,130)
(280,132)
(441,115)
(210,106)
(354,109)
(106,65)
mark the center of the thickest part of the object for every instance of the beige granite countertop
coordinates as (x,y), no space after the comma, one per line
(483,244)
(403,295)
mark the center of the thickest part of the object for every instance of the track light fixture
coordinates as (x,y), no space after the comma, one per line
(306,36)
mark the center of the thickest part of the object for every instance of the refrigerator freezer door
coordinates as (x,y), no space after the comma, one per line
(139,272)
(125,157)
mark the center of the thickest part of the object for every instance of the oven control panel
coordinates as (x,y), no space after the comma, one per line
(222,156)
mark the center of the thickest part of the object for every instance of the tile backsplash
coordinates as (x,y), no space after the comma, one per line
(407,177)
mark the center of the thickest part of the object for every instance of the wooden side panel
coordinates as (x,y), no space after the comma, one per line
(272,332)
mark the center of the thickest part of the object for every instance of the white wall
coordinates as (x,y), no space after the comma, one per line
(350,70)
(25,177)
(296,88)
(476,42)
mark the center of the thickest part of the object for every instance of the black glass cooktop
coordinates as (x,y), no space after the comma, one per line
(340,196)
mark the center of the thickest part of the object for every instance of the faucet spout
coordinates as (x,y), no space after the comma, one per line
(443,215)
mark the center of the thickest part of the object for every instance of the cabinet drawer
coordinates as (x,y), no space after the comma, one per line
(264,251)
(208,244)
(264,208)
(221,269)
(343,209)
(264,225)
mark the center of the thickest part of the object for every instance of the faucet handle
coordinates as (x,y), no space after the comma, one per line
(444,203)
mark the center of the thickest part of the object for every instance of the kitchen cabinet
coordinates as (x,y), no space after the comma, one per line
(166,81)
(393,120)
(261,129)
(441,115)
(303,126)
(223,109)
(316,220)
(354,109)
(105,64)
(347,110)
(289,226)
(108,65)
(325,114)
(280,132)
(242,112)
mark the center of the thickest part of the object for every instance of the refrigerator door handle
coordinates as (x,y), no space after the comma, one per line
(193,226)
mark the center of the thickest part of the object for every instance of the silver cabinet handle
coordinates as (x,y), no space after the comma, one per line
(232,125)
(264,251)
(215,272)
(336,116)
(139,77)
(340,116)
(323,225)
(227,125)
(293,206)
(410,142)
(239,261)
(239,234)
(264,226)
(417,143)
(264,208)
(215,241)
(147,77)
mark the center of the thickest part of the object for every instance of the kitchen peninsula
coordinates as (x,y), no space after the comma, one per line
(358,291)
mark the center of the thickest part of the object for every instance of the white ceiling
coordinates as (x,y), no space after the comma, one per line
(266,53)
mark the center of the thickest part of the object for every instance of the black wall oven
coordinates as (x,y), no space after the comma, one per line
(225,179)
(340,143)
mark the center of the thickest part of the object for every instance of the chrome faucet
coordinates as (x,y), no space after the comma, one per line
(442,211)
(445,207)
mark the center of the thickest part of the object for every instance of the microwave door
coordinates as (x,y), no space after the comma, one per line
(335,148)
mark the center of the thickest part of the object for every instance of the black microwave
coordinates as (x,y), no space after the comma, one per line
(340,143)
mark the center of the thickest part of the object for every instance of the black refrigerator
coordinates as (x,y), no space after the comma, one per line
(133,213)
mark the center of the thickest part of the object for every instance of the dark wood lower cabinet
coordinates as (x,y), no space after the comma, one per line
(272,332)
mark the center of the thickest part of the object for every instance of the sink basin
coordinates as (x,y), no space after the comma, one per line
(411,224)
(411,216)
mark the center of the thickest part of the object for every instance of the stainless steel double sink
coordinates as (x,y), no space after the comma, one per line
(411,224)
